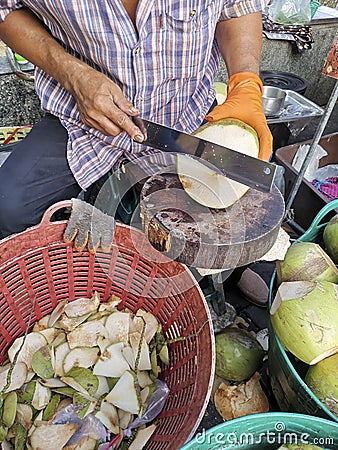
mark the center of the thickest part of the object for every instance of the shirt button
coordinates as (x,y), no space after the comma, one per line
(140,99)
(137,50)
(193,13)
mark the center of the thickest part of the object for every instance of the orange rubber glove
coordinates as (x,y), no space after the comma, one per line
(244,102)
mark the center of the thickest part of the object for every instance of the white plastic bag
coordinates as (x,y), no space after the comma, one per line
(290,11)
(329,171)
(302,151)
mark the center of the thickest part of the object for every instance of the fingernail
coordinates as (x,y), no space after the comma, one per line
(133,110)
(139,138)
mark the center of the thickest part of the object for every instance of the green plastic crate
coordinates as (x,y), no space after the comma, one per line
(267,432)
(291,392)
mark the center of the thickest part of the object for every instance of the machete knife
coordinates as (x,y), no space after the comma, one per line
(245,169)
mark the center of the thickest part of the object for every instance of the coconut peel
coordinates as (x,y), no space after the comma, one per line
(241,400)
(221,91)
(45,370)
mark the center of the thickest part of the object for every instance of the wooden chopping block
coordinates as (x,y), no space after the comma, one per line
(201,237)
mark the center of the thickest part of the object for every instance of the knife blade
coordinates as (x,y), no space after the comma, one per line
(237,166)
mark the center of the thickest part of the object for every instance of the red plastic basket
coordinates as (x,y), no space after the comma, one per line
(37,263)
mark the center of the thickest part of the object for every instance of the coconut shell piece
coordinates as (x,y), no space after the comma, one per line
(241,400)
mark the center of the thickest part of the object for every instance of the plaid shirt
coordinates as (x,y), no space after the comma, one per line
(165,68)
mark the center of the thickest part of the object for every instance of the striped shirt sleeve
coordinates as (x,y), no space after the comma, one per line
(7,7)
(238,8)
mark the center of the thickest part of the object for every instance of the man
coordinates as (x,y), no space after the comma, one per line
(99,64)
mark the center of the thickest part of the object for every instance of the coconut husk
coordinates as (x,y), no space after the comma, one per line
(306,261)
(216,384)
(241,400)
(279,248)
(304,316)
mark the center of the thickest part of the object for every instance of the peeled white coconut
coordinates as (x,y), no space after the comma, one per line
(304,315)
(201,182)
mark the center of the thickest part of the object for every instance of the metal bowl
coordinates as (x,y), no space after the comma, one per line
(273,99)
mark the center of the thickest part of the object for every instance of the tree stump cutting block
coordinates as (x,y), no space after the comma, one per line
(206,238)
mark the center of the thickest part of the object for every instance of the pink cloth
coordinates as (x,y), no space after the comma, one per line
(328,187)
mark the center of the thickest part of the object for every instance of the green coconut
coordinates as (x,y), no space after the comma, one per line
(304,315)
(330,238)
(322,379)
(306,261)
(238,354)
(206,185)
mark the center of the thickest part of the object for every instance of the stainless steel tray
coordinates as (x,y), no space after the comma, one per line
(296,107)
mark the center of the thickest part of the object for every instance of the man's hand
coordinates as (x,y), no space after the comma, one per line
(244,102)
(102,104)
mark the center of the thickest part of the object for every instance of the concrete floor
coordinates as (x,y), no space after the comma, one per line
(19,103)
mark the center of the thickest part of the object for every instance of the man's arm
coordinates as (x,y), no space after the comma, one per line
(100,101)
(240,43)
